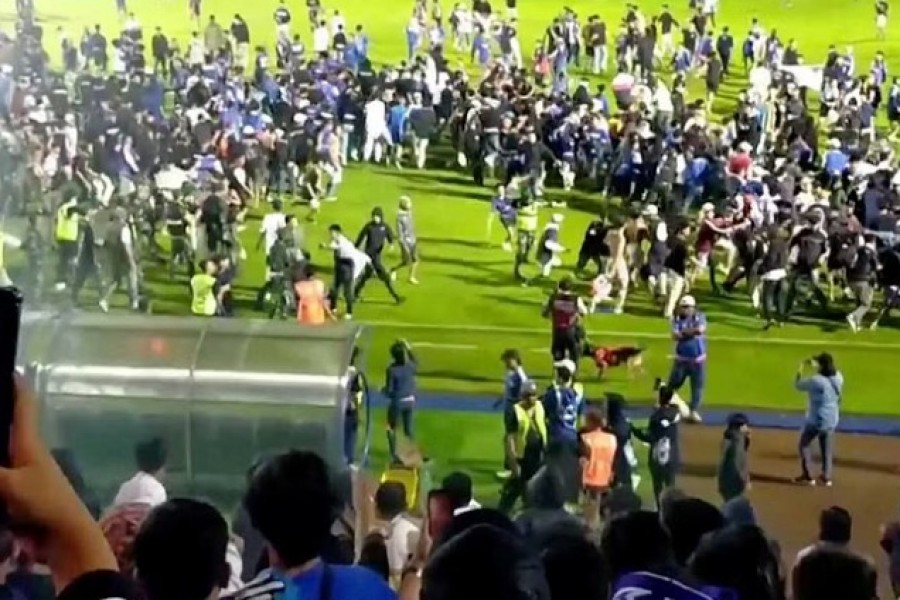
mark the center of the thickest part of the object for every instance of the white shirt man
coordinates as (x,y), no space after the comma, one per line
(401,538)
(347,251)
(320,39)
(143,488)
(376,129)
(271,224)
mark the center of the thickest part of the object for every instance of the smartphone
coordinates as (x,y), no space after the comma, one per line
(440,513)
(10,320)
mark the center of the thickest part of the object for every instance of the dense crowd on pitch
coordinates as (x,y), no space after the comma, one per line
(101,169)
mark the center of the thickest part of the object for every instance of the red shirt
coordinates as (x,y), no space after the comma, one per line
(739,164)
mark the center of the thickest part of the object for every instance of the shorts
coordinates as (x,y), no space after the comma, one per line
(409,252)
(881,21)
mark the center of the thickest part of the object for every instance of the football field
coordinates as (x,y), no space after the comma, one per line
(468,308)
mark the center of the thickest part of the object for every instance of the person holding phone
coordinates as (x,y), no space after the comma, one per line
(526,442)
(824,389)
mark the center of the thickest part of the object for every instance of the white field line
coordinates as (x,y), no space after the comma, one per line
(644,335)
(444,346)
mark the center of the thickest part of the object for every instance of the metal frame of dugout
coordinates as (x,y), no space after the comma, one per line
(220,392)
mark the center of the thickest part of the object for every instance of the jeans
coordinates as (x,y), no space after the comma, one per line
(826,447)
(682,371)
(402,412)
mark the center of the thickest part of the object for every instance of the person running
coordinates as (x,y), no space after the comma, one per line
(373,237)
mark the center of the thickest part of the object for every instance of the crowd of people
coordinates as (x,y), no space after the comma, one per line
(139,137)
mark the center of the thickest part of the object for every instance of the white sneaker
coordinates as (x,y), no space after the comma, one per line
(414,281)
(348,317)
(873,326)
(104,306)
(635,481)
(854,326)
(393,275)
(507,247)
(60,287)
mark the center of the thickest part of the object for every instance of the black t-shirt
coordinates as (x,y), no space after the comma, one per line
(677,258)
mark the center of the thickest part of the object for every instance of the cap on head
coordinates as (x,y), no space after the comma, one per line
(687,301)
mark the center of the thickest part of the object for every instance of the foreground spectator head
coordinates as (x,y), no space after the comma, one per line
(496,562)
(827,572)
(180,551)
(374,555)
(635,542)
(739,558)
(458,487)
(574,568)
(835,526)
(687,521)
(120,527)
(390,500)
(739,511)
(291,504)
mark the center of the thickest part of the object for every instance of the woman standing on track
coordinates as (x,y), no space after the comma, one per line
(823,389)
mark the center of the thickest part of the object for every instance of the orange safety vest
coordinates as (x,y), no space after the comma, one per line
(310,301)
(601,447)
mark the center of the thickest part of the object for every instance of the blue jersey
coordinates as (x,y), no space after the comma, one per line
(512,384)
(563,406)
(692,348)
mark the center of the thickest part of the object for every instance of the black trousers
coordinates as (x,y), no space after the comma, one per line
(662,477)
(773,300)
(376,268)
(515,487)
(342,284)
(565,343)
(67,250)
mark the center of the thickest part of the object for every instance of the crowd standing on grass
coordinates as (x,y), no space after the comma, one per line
(144,136)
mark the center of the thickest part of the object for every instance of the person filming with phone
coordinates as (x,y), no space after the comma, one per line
(823,389)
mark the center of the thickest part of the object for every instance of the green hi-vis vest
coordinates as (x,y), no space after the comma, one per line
(66,224)
(527,218)
(526,419)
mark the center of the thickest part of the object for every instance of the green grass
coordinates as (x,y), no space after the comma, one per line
(467,308)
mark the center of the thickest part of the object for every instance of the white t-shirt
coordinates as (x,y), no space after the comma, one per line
(320,39)
(376,115)
(143,488)
(400,539)
(271,223)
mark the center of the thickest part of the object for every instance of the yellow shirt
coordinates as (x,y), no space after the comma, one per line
(203,302)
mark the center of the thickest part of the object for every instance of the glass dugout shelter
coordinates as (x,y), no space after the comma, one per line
(219,392)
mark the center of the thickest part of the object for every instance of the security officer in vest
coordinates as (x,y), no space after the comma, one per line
(526,227)
(67,233)
(565,308)
(597,451)
(526,442)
